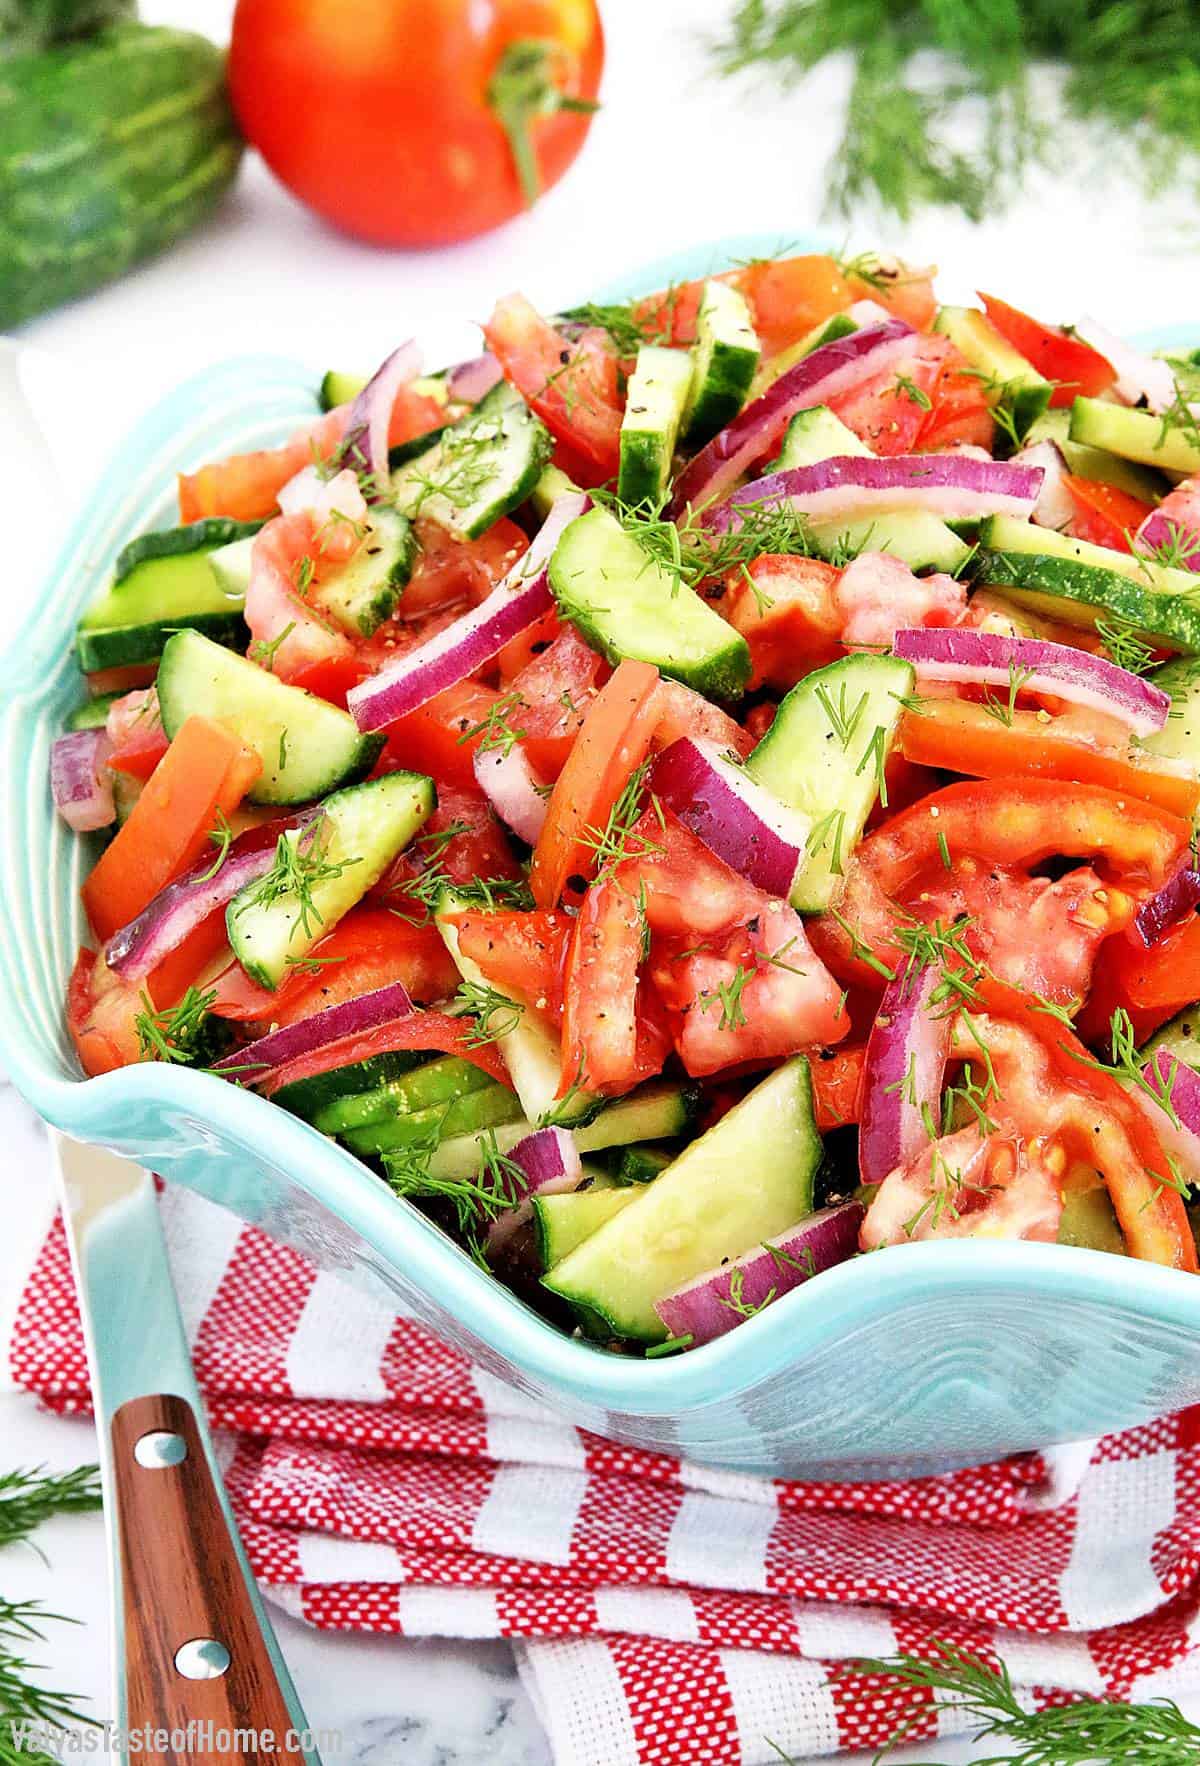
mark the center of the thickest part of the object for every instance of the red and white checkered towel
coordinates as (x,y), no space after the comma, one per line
(662,1612)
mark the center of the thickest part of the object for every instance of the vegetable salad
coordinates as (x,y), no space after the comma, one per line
(697,794)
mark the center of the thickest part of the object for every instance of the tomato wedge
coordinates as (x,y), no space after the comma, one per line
(1105,515)
(1150,984)
(837,1085)
(441,736)
(789,298)
(612,743)
(521,953)
(205,770)
(573,386)
(420,1030)
(1077,370)
(140,749)
(963,737)
(555,690)
(599,1039)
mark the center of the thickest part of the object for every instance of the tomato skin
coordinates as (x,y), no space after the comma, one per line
(837,1085)
(906,293)
(522,953)
(435,738)
(681,712)
(787,610)
(436,1031)
(385,128)
(599,1041)
(330,678)
(555,690)
(100,1016)
(961,736)
(890,411)
(1105,515)
(477,849)
(1151,984)
(789,297)
(139,749)
(1079,370)
(682,886)
(449,571)
(573,386)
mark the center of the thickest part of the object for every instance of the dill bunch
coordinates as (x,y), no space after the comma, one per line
(926,72)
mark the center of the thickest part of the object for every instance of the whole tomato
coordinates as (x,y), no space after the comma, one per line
(416,122)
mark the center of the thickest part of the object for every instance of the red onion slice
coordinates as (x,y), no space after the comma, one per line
(1181,1083)
(179,908)
(551,1166)
(1055,506)
(759,837)
(816,378)
(959,653)
(1175,901)
(258,1060)
(1176,524)
(80,782)
(365,441)
(714,1303)
(510,785)
(903,1072)
(847,487)
(468,382)
(1139,377)
(469,643)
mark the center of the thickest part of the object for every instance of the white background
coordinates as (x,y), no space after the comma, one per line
(673,158)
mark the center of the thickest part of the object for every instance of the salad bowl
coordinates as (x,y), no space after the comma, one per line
(924,1358)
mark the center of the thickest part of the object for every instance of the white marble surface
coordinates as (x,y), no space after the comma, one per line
(672,158)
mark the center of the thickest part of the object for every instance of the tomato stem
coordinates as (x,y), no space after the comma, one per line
(522,88)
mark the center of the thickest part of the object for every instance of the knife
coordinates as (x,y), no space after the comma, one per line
(199,1677)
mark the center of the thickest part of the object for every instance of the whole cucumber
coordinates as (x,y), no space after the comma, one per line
(110,149)
(30,24)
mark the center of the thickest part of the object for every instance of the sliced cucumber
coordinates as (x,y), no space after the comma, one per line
(231,566)
(749,1177)
(1181,1038)
(489,1106)
(435,1083)
(1080,594)
(661,1110)
(126,790)
(363,592)
(1097,463)
(162,582)
(562,1222)
(1004,533)
(338,388)
(530,1049)
(725,360)
(552,484)
(276,919)
(626,604)
(824,754)
(658,391)
(919,539)
(1179,738)
(308,747)
(92,714)
(482,467)
(311,1097)
(1136,435)
(1089,1219)
(1005,374)
(642,1164)
(828,331)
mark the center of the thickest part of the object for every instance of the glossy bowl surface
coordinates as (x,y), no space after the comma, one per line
(920,1359)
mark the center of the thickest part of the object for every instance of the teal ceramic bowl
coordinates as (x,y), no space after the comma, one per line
(915,1360)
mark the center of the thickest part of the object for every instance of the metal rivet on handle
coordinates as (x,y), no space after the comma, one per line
(160,1449)
(203,1658)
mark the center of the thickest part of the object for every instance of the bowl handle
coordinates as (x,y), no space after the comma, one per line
(196,1662)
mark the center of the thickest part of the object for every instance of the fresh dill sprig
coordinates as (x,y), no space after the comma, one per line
(728,995)
(220,836)
(1124,646)
(629,324)
(735,1301)
(495,1013)
(264,651)
(1151,1734)
(494,1188)
(1126,1066)
(843,720)
(1004,711)
(30,1495)
(1177,551)
(300,866)
(173,1033)
(669,1346)
(692,553)
(617,840)
(916,395)
(496,732)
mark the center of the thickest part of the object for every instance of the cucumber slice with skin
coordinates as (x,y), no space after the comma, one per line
(1080,594)
(1089,1220)
(365,590)
(1005,373)
(1179,738)
(749,1177)
(530,1049)
(357,834)
(309,1098)
(625,604)
(435,1083)
(339,388)
(552,484)
(488,1107)
(92,715)
(805,761)
(162,592)
(642,1164)
(1136,435)
(828,331)
(482,467)
(658,391)
(231,566)
(563,1222)
(658,1111)
(307,746)
(917,538)
(1004,533)
(725,359)
(207,535)
(1096,463)
(1181,1038)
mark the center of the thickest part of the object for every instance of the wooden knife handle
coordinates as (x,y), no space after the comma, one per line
(182,1585)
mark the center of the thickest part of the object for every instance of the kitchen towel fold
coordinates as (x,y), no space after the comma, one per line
(663,1613)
